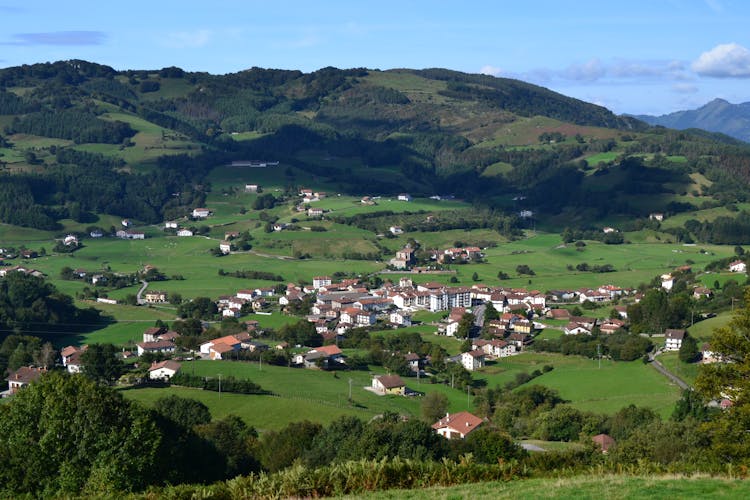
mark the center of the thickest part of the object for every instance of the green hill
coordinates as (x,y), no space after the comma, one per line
(80,139)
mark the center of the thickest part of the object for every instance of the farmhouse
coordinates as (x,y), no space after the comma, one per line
(738,267)
(457,425)
(157,346)
(221,347)
(404,197)
(184,232)
(396,230)
(251,188)
(315,212)
(23,377)
(225,247)
(388,384)
(70,240)
(170,224)
(96,233)
(164,370)
(657,216)
(604,442)
(201,213)
(130,235)
(322,357)
(473,360)
(673,339)
(156,297)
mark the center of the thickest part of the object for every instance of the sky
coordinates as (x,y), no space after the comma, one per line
(638,57)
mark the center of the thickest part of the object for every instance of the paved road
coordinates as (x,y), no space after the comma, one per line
(661,369)
(140,292)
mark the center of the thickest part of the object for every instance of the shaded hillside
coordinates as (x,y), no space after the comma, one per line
(81,138)
(715,116)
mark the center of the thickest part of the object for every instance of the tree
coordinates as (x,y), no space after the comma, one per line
(730,379)
(689,352)
(524,269)
(465,326)
(101,363)
(489,446)
(183,411)
(110,445)
(475,276)
(434,406)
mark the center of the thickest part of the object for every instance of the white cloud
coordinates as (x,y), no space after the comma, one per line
(684,88)
(188,39)
(588,72)
(724,61)
(490,70)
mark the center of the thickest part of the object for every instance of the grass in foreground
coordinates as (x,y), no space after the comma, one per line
(583,487)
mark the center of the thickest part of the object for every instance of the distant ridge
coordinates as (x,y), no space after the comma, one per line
(715,116)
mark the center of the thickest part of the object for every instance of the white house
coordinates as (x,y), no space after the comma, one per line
(170,224)
(201,213)
(184,232)
(457,425)
(321,281)
(70,240)
(400,318)
(396,230)
(251,188)
(673,339)
(738,267)
(667,281)
(164,370)
(164,346)
(473,360)
(404,197)
(225,247)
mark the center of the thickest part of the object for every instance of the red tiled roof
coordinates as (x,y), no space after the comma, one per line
(463,422)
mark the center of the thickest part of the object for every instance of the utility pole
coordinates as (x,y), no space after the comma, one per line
(599,354)
(350,390)
(220,385)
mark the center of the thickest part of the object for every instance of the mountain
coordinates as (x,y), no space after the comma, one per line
(715,116)
(80,139)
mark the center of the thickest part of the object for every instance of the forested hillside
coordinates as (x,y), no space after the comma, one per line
(80,138)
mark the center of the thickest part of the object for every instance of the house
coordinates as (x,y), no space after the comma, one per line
(225,247)
(151,334)
(366,200)
(709,356)
(156,297)
(656,216)
(667,281)
(321,281)
(738,267)
(221,348)
(23,377)
(251,188)
(323,356)
(157,346)
(558,314)
(164,370)
(230,235)
(494,348)
(457,425)
(96,233)
(396,230)
(520,340)
(404,197)
(701,292)
(673,339)
(201,213)
(388,384)
(126,223)
(414,361)
(70,241)
(575,328)
(130,235)
(315,212)
(608,230)
(404,259)
(473,360)
(400,318)
(604,442)
(170,224)
(184,232)
(357,317)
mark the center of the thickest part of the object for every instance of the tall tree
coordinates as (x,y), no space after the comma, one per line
(434,406)
(101,363)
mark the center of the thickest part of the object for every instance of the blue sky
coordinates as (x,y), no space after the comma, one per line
(640,56)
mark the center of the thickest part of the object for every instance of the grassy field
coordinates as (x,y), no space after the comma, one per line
(298,394)
(588,387)
(594,486)
(686,371)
